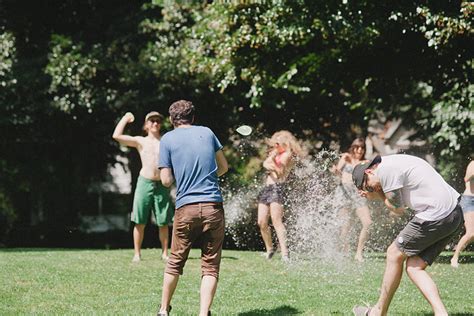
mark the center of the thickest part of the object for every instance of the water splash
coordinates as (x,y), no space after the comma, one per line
(313,223)
(312,211)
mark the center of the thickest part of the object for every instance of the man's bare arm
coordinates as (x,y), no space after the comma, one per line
(394,202)
(166,176)
(270,165)
(222,165)
(118,135)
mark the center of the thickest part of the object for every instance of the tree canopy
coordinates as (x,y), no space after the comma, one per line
(322,69)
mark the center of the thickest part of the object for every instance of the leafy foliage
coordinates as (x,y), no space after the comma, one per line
(321,69)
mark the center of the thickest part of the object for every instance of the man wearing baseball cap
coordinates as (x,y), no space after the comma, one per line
(150,195)
(408,182)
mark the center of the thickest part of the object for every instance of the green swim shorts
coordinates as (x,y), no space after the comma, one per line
(152,196)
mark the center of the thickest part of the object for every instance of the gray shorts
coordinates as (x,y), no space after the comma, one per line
(427,239)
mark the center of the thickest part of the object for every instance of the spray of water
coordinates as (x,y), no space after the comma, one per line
(312,212)
(312,218)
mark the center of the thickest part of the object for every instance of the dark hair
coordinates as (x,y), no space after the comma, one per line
(358,142)
(181,112)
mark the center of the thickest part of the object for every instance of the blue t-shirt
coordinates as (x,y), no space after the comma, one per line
(190,152)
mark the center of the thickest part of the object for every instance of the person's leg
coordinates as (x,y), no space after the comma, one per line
(466,239)
(142,206)
(184,233)
(213,231)
(208,290)
(344,214)
(163,234)
(276,212)
(415,268)
(170,281)
(138,233)
(364,215)
(262,221)
(164,213)
(391,280)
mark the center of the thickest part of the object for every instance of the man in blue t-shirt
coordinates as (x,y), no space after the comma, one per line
(193,156)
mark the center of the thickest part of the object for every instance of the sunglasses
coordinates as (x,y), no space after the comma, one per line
(155,120)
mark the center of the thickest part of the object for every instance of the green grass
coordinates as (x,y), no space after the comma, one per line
(50,281)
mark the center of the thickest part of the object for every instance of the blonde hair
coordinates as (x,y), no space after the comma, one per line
(287,139)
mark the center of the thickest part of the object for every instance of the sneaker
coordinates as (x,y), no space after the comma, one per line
(285,258)
(361,310)
(137,258)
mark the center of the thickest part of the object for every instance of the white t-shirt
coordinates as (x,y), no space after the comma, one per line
(422,188)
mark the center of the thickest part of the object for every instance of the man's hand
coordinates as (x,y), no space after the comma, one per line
(129,117)
(372,196)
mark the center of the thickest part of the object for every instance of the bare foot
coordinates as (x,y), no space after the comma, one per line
(359,258)
(454,263)
(269,254)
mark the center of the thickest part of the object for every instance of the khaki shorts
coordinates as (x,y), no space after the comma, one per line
(203,220)
(427,239)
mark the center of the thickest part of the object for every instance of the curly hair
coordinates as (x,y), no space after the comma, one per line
(288,139)
(181,112)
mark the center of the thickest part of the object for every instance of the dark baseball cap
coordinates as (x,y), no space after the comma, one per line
(359,171)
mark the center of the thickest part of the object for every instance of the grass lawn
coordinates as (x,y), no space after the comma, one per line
(57,281)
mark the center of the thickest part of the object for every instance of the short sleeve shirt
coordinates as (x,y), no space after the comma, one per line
(422,188)
(190,153)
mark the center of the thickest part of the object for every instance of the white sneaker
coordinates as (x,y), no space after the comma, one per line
(137,258)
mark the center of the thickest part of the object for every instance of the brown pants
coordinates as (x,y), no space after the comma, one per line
(191,221)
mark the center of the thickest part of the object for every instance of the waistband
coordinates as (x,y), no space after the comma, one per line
(202,204)
(142,178)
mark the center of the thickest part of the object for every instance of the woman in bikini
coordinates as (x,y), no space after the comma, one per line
(467,205)
(278,164)
(352,200)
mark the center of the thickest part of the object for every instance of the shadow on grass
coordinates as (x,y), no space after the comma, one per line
(444,257)
(452,314)
(46,249)
(282,310)
(463,258)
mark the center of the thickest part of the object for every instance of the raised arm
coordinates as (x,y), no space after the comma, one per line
(345,158)
(118,135)
(270,164)
(469,172)
(222,166)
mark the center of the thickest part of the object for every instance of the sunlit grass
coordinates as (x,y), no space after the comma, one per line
(51,281)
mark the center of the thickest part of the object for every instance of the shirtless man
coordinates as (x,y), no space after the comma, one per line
(150,194)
